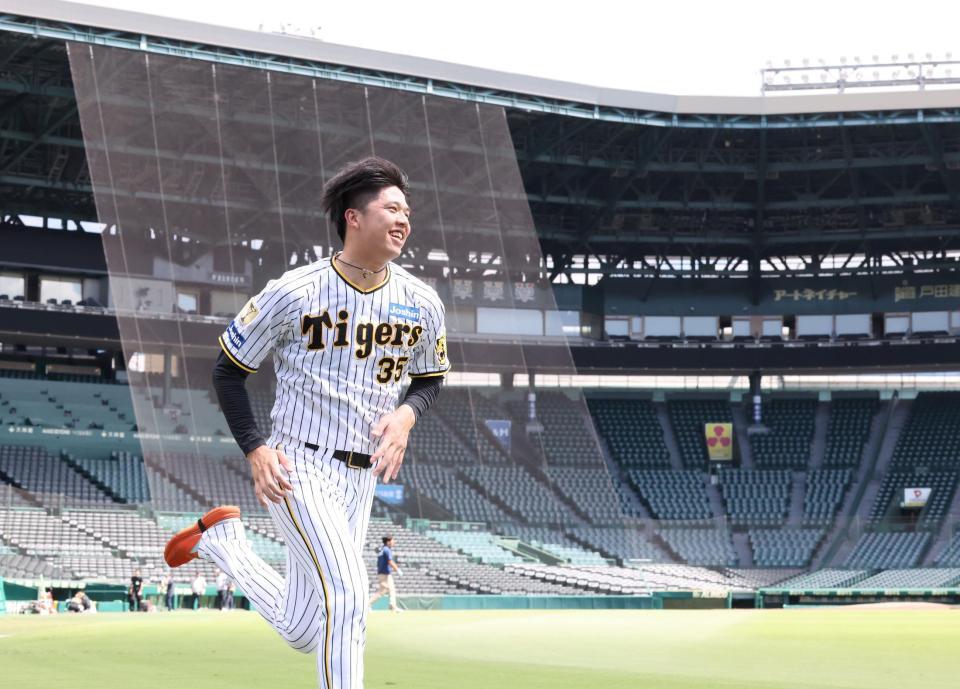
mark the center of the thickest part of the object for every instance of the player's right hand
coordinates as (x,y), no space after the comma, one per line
(268,467)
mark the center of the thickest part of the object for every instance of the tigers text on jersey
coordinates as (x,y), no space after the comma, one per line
(340,352)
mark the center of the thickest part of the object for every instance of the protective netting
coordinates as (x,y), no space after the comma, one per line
(210,178)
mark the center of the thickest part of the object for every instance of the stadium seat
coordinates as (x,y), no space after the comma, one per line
(943,484)
(632,432)
(950,557)
(791,424)
(673,495)
(882,550)
(784,547)
(756,498)
(848,430)
(701,546)
(922,442)
(824,495)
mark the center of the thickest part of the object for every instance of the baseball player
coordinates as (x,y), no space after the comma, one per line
(344,332)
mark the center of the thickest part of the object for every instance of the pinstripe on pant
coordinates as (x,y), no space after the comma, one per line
(322,605)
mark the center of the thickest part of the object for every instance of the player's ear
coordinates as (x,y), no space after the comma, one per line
(351,216)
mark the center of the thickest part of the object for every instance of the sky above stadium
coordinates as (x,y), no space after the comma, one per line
(690,47)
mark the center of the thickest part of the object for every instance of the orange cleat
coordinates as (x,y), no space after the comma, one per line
(181,548)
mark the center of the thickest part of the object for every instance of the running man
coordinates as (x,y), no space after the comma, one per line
(345,332)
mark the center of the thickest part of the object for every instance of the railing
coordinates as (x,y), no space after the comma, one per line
(493,338)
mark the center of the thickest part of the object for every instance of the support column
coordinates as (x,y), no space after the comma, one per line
(167,362)
(755,398)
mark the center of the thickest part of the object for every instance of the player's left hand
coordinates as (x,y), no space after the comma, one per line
(393,430)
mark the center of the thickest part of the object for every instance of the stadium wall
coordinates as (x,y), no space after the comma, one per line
(654,602)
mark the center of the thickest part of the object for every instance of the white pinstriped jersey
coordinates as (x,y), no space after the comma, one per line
(340,352)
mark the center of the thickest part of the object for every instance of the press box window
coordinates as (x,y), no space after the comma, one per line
(227,304)
(11,286)
(60,290)
(187,302)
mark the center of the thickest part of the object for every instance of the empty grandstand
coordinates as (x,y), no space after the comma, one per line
(64,514)
(618,273)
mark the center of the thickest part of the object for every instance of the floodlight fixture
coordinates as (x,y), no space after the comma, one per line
(854,73)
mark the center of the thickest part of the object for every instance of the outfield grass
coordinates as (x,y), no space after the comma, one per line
(749,649)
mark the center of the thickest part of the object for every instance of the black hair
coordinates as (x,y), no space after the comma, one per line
(356,184)
(387,539)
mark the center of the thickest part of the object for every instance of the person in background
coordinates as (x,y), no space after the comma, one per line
(46,604)
(169,588)
(231,588)
(135,592)
(385,569)
(80,603)
(198,586)
(222,581)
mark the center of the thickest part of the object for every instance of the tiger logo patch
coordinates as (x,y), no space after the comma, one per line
(441,350)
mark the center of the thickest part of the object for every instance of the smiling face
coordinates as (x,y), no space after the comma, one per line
(379,230)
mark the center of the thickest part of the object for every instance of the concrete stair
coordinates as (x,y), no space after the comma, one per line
(819,445)
(741,421)
(798,490)
(741,545)
(877,453)
(676,461)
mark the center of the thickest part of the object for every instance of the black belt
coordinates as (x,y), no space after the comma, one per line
(354,460)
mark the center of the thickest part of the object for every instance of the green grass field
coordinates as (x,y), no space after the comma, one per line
(750,649)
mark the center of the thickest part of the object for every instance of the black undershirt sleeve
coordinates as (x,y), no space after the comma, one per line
(228,381)
(422,393)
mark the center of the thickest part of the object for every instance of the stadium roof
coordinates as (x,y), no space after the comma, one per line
(646,184)
(73,21)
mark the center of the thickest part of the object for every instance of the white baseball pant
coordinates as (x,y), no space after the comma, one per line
(322,605)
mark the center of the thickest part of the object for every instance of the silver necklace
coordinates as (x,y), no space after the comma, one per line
(365,272)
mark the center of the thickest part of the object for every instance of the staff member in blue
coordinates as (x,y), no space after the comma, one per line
(385,569)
